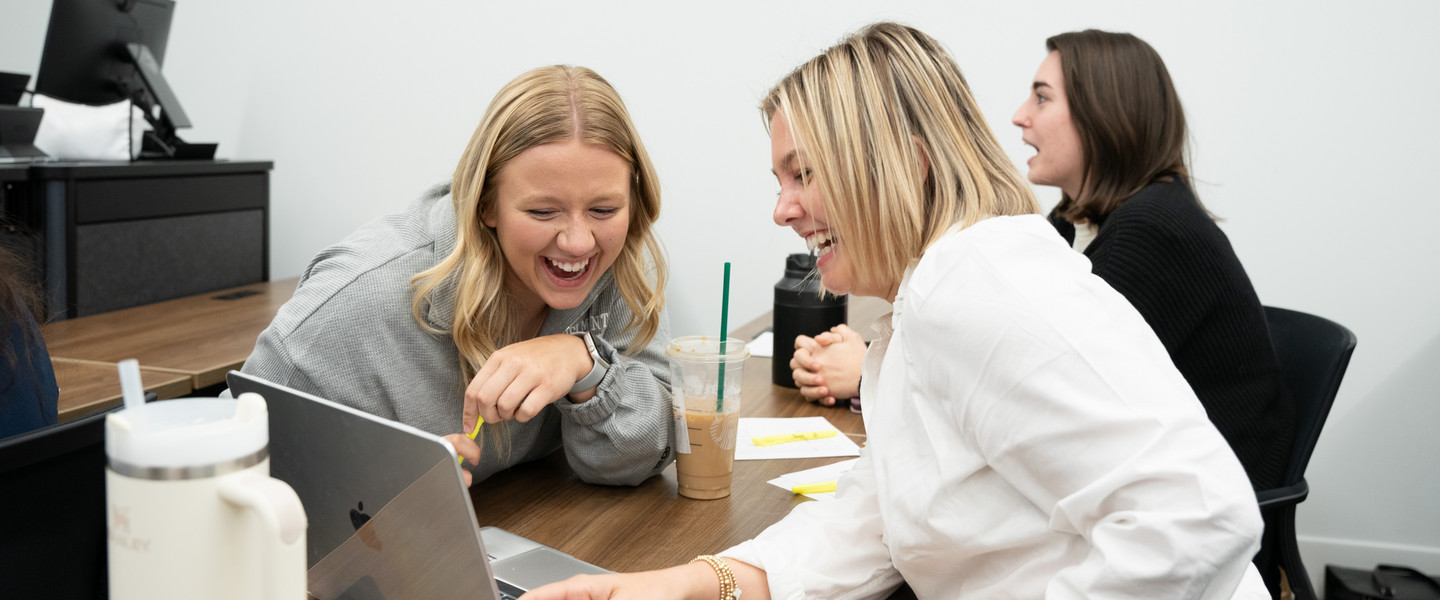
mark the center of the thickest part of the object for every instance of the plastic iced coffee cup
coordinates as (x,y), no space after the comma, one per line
(705,386)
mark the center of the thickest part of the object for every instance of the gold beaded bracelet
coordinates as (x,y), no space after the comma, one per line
(729,590)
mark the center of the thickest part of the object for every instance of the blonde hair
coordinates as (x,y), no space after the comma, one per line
(545,105)
(869,114)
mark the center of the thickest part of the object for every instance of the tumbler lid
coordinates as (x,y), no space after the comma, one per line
(799,265)
(189,432)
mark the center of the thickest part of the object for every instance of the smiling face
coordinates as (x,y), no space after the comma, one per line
(1044,119)
(561,214)
(801,207)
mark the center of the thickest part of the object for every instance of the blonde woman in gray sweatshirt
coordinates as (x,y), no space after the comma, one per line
(527,292)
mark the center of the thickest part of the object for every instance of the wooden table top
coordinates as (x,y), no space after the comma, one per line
(651,526)
(201,336)
(87,387)
(635,529)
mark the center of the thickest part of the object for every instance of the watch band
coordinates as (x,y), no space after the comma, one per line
(597,372)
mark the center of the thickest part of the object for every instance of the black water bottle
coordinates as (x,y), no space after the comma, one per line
(801,309)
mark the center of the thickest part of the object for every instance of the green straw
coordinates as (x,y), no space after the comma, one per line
(724,314)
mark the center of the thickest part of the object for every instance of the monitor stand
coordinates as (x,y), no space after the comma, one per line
(154,147)
(163,142)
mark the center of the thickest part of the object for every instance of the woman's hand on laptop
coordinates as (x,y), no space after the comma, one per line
(521,379)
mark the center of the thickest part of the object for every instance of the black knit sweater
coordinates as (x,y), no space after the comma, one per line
(1162,252)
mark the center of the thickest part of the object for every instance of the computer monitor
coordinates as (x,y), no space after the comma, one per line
(105,51)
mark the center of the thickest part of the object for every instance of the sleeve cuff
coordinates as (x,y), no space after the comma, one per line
(775,565)
(602,405)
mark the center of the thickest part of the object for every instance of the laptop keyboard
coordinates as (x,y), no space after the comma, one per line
(507,591)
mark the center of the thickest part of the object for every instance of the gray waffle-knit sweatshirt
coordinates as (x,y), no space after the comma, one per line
(348,335)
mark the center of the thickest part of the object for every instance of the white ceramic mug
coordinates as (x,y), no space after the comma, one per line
(192,511)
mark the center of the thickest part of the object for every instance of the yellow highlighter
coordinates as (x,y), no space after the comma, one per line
(479,420)
(818,487)
(782,438)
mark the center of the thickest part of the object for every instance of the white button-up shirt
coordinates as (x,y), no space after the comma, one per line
(1028,437)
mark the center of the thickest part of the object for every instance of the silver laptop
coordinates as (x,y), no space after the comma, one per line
(389,513)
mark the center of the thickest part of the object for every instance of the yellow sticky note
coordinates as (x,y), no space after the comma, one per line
(814,488)
(783,438)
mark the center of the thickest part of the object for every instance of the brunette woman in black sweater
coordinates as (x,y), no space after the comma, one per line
(1109,131)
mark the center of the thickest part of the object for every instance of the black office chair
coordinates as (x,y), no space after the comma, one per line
(52,496)
(1313,353)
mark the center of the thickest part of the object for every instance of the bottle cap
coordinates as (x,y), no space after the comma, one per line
(799,265)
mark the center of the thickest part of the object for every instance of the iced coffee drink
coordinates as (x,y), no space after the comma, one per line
(705,472)
(705,380)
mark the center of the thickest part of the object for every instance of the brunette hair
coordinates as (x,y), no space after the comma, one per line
(1128,116)
(20,303)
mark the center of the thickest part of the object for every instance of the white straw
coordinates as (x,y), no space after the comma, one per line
(133,391)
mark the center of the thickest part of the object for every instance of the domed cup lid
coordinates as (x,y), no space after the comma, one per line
(189,432)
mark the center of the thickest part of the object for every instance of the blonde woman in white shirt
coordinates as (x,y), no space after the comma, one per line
(1028,436)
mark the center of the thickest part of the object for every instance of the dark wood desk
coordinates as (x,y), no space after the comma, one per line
(113,235)
(14,172)
(87,387)
(16,233)
(652,526)
(201,337)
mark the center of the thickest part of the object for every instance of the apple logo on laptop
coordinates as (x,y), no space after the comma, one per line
(358,516)
(360,520)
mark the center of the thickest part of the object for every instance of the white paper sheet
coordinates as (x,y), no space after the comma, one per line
(763,345)
(745,449)
(815,475)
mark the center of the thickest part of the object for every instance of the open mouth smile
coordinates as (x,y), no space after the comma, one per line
(820,242)
(567,271)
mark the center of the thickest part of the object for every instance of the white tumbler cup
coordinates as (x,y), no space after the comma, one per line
(191,508)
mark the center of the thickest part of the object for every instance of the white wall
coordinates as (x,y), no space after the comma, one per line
(1313,125)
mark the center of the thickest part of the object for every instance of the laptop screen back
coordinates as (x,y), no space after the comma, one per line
(389,515)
